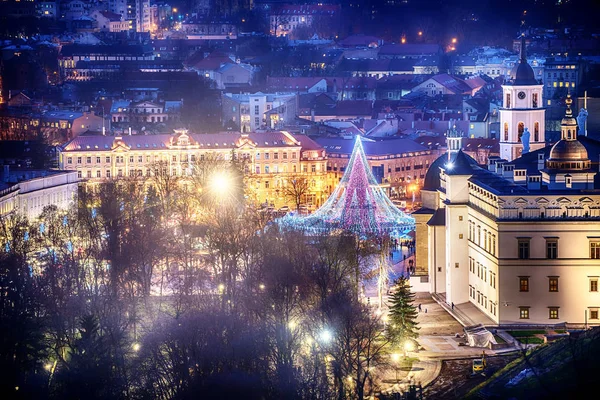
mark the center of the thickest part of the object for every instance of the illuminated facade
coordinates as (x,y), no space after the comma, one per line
(27,192)
(271,159)
(519,239)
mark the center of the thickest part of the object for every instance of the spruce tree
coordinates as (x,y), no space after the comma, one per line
(402,323)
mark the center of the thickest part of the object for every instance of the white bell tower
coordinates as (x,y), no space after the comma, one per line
(521,108)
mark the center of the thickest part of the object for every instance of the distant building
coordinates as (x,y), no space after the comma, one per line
(270,159)
(110,22)
(27,192)
(287,18)
(251,112)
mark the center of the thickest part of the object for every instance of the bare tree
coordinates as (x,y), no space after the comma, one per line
(295,188)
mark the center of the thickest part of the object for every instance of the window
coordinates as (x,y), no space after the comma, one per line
(524,312)
(595,250)
(107,159)
(69,160)
(506,131)
(313,168)
(266,184)
(256,110)
(553,284)
(285,156)
(266,169)
(275,156)
(173,158)
(536,132)
(258,156)
(553,312)
(523,284)
(535,100)
(552,248)
(507,100)
(78,160)
(593,284)
(594,313)
(98,174)
(79,174)
(108,173)
(140,159)
(266,156)
(98,160)
(460,235)
(88,160)
(523,252)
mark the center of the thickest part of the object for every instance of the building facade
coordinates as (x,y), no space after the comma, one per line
(27,192)
(270,159)
(251,112)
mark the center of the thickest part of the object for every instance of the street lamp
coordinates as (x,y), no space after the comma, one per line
(326,336)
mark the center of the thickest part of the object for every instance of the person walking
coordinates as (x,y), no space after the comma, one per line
(453,305)
(419,307)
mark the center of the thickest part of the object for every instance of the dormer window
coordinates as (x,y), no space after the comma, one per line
(568,181)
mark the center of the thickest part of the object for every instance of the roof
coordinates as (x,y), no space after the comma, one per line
(372,148)
(291,83)
(432,178)
(438,218)
(221,140)
(452,83)
(306,9)
(359,40)
(213,61)
(116,49)
(461,165)
(409,49)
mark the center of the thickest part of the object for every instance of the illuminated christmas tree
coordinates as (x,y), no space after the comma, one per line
(358,204)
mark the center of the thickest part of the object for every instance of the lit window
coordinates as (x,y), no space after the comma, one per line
(553,284)
(523,284)
(553,312)
(595,250)
(524,312)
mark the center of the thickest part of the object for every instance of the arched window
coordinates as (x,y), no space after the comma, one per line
(520,129)
(536,132)
(506,131)
(507,100)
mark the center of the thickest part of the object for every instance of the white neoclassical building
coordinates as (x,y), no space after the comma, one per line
(519,239)
(27,192)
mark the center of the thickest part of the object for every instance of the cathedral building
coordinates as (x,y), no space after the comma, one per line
(519,238)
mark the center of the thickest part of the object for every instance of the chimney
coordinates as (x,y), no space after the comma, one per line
(312,114)
(540,161)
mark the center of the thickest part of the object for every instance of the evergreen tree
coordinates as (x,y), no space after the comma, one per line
(403,314)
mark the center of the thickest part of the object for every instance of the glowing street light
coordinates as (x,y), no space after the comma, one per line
(136,347)
(420,33)
(326,336)
(454,40)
